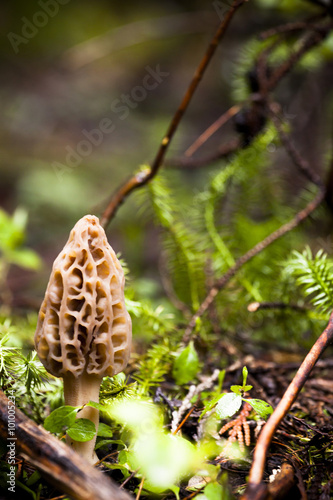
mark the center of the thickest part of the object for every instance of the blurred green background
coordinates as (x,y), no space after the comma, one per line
(61,78)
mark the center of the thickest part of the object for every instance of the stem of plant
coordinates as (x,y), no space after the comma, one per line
(77,392)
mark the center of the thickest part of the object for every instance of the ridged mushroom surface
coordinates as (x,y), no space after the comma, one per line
(83,325)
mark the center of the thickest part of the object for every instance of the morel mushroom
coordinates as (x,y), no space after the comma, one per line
(84,331)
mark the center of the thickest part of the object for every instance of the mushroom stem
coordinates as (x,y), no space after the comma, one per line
(77,392)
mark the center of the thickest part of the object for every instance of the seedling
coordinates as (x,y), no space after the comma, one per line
(231,402)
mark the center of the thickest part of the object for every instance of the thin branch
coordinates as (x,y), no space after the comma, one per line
(140,489)
(298,160)
(222,282)
(142,178)
(300,216)
(290,27)
(310,40)
(212,129)
(256,306)
(289,397)
(184,420)
(223,151)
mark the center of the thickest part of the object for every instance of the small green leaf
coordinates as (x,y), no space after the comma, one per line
(247,388)
(35,476)
(61,418)
(237,389)
(228,405)
(210,405)
(98,406)
(261,407)
(120,467)
(104,431)
(82,430)
(186,365)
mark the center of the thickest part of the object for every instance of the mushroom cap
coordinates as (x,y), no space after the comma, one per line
(83,325)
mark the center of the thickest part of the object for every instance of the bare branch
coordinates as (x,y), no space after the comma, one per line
(141,179)
(298,160)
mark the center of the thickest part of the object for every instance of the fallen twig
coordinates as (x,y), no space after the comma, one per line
(289,397)
(187,404)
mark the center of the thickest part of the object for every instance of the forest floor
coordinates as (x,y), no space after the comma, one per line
(303,439)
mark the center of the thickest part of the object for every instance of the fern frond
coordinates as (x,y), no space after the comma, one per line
(243,65)
(9,355)
(31,371)
(314,274)
(155,320)
(185,263)
(154,366)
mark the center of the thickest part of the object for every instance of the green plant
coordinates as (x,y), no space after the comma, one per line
(314,276)
(12,249)
(230,403)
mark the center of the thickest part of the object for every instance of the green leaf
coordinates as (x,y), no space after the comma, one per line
(210,405)
(228,405)
(82,430)
(120,467)
(163,459)
(35,476)
(104,430)
(214,491)
(237,389)
(61,418)
(186,365)
(261,407)
(247,388)
(24,257)
(98,406)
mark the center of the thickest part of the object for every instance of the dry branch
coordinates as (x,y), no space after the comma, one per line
(314,35)
(60,465)
(223,151)
(282,409)
(142,178)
